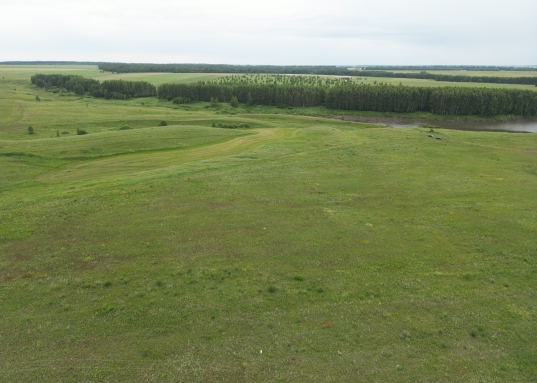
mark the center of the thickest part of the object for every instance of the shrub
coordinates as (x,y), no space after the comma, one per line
(37,98)
(299,278)
(162,123)
(182,100)
(30,130)
(272,289)
(405,335)
(234,102)
(81,132)
(125,127)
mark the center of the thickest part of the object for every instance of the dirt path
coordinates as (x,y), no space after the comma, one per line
(144,162)
(24,111)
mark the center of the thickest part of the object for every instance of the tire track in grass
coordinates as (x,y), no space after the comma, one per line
(142,162)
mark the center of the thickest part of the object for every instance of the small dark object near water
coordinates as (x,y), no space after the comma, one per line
(438,138)
(430,135)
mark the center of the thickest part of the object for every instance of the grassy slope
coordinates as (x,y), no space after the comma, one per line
(344,251)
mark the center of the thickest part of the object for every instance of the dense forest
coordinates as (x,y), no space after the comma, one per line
(110,89)
(317,70)
(382,98)
(446,100)
(308,91)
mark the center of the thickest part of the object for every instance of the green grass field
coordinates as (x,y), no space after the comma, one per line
(346,252)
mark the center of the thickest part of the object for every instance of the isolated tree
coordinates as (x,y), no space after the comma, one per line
(30,130)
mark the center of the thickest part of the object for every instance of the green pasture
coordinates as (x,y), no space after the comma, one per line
(23,72)
(345,252)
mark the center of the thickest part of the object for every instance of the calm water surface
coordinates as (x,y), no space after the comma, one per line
(514,126)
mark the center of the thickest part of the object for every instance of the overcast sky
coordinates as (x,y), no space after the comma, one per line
(332,32)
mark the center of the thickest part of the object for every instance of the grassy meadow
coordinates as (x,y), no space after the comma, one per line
(345,252)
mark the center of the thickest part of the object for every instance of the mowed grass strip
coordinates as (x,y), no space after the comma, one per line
(119,165)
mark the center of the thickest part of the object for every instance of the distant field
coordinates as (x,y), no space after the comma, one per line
(19,72)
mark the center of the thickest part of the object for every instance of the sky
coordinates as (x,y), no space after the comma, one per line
(277,32)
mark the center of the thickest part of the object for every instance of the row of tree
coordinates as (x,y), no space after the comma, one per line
(262,94)
(72,83)
(452,78)
(110,89)
(320,70)
(450,67)
(222,68)
(445,100)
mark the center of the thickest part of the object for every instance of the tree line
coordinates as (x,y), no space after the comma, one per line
(452,78)
(450,67)
(222,68)
(261,94)
(382,98)
(320,70)
(445,100)
(109,89)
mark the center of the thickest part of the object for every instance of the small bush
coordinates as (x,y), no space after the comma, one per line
(107,284)
(182,100)
(299,278)
(234,102)
(158,283)
(272,289)
(125,127)
(37,98)
(162,123)
(81,132)
(30,130)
